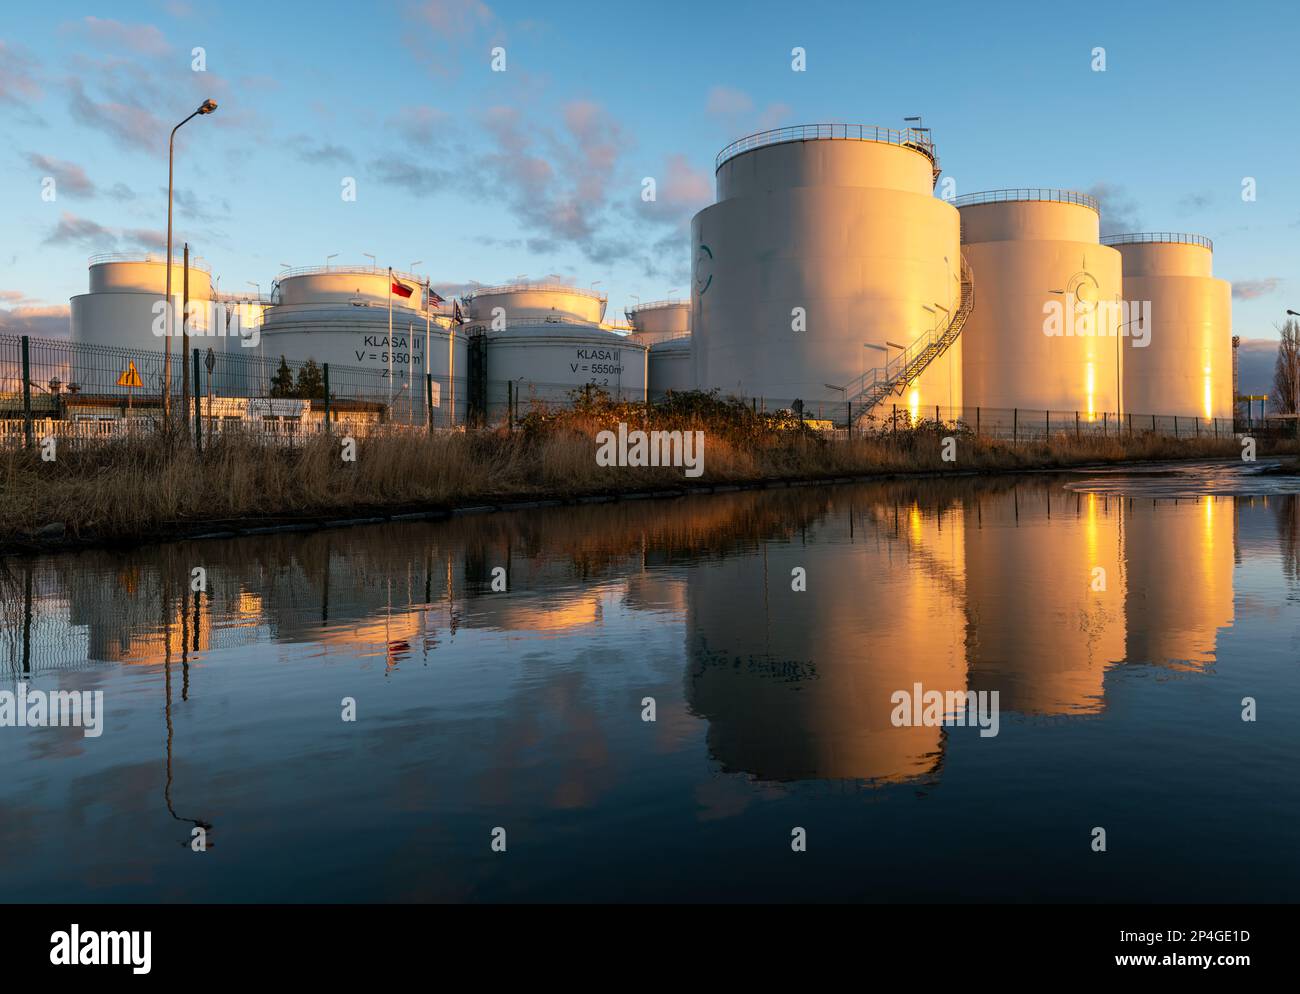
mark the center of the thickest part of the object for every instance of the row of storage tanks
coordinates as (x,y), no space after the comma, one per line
(542,341)
(826,256)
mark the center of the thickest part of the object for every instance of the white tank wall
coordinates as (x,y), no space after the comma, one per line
(671,367)
(358,337)
(529,305)
(120,309)
(147,276)
(549,361)
(1020,252)
(1186,369)
(660,322)
(851,232)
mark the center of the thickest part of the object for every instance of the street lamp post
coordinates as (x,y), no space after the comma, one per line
(207,107)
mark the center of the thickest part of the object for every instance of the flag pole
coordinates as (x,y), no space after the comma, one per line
(428,337)
(390,340)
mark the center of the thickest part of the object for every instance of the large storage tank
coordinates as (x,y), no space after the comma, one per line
(1186,366)
(670,366)
(838,224)
(660,320)
(126,297)
(1035,253)
(340,315)
(546,339)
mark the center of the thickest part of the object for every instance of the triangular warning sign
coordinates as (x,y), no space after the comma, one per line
(130,376)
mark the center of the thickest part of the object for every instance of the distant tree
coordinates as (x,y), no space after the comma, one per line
(1286,370)
(311,382)
(282,381)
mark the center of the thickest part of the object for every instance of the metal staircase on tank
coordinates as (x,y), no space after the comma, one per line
(894,376)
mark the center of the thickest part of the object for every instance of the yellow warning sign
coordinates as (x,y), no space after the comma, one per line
(130,376)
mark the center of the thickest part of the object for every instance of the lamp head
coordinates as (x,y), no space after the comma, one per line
(208,106)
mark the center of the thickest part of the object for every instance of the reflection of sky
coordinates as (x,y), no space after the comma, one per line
(524,709)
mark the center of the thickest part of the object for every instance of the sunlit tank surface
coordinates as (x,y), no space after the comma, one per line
(1018,545)
(548,361)
(1179,573)
(1035,253)
(530,303)
(1186,367)
(670,366)
(124,303)
(660,320)
(340,316)
(799,685)
(837,224)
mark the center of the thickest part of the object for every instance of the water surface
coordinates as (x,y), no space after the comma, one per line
(1120,707)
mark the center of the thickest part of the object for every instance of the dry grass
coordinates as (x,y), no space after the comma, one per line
(148,487)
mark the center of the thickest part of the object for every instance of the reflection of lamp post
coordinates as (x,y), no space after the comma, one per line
(207,107)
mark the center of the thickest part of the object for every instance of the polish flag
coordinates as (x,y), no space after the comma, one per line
(401,289)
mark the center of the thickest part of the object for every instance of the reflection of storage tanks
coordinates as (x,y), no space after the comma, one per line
(670,368)
(126,300)
(340,315)
(826,244)
(546,339)
(1186,366)
(1179,560)
(1037,338)
(660,320)
(800,686)
(1044,655)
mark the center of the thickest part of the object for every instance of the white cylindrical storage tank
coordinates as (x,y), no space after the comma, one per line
(531,303)
(125,302)
(670,367)
(1185,366)
(1043,334)
(826,251)
(660,320)
(547,362)
(340,316)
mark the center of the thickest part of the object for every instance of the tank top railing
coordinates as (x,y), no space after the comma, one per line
(915,138)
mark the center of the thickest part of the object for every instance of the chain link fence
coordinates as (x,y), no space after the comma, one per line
(90,393)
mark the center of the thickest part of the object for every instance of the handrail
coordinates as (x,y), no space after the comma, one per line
(907,137)
(1028,194)
(159,258)
(874,384)
(545,287)
(348,269)
(1162,237)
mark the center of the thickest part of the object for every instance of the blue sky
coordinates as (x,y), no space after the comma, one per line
(538,170)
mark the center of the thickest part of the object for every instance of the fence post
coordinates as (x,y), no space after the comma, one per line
(1015,425)
(510,404)
(977,422)
(328,427)
(893,421)
(1047,425)
(849,415)
(1076,426)
(937,423)
(1153,424)
(428,399)
(1198,427)
(198,408)
(1216,428)
(1175,426)
(27,393)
